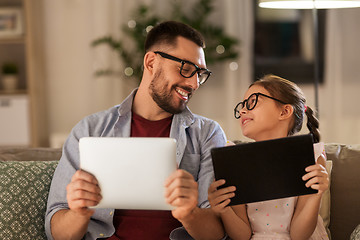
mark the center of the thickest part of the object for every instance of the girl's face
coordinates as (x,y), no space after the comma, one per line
(265,121)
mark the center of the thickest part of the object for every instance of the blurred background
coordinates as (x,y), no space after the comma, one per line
(48,47)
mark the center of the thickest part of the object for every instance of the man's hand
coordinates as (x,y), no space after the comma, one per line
(82,192)
(181,191)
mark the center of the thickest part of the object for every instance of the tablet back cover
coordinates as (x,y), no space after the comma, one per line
(265,170)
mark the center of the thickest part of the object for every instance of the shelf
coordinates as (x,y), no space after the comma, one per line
(26,48)
(16,92)
(12,40)
(7,3)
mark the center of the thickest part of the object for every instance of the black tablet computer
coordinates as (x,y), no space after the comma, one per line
(265,170)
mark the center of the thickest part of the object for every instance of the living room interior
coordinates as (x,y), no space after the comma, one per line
(57,85)
(63,87)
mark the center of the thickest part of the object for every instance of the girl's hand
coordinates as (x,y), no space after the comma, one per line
(317,176)
(229,143)
(219,199)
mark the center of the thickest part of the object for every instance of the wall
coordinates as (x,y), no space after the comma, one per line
(339,98)
(73,91)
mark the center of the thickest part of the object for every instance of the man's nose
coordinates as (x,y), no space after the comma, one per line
(193,82)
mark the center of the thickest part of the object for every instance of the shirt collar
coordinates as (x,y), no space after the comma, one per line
(185,118)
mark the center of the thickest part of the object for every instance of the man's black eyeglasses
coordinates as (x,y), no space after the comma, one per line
(250,103)
(188,69)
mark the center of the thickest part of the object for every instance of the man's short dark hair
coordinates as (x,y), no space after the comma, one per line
(167,32)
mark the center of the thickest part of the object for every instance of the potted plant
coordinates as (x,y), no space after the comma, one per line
(219,45)
(9,76)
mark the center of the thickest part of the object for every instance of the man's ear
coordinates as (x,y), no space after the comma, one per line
(149,62)
(287,111)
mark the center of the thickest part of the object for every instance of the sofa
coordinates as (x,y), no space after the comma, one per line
(25,177)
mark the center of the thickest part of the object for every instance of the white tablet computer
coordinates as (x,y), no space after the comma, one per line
(131,171)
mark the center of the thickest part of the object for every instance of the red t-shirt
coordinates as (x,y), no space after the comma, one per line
(145,224)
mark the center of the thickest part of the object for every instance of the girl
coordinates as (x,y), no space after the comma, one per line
(274,108)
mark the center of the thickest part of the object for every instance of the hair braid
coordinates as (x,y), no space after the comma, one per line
(313,124)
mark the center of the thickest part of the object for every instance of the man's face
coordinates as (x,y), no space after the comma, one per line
(168,88)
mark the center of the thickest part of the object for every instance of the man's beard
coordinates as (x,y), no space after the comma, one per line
(163,97)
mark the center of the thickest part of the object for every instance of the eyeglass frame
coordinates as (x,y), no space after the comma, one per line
(198,69)
(244,103)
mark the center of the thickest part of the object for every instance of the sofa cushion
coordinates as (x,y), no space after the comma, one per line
(325,200)
(24,187)
(345,194)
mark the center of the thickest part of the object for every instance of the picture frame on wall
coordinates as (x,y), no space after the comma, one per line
(11,24)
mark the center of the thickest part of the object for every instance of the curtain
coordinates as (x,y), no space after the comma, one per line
(73,91)
(339,97)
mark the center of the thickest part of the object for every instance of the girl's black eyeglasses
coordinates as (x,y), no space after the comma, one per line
(250,103)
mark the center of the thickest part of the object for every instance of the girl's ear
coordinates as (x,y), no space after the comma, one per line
(149,61)
(287,112)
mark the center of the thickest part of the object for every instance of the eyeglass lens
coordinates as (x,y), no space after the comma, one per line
(249,103)
(188,70)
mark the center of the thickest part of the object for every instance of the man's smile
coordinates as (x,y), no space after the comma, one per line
(183,94)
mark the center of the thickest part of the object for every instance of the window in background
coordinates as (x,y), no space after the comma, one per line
(283,43)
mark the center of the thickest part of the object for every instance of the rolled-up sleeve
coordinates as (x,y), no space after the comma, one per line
(213,137)
(68,165)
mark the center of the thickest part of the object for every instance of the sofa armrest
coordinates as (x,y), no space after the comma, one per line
(24,187)
(29,154)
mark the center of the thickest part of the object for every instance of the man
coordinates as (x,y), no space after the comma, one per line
(174,68)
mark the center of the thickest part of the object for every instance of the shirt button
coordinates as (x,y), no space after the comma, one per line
(101,234)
